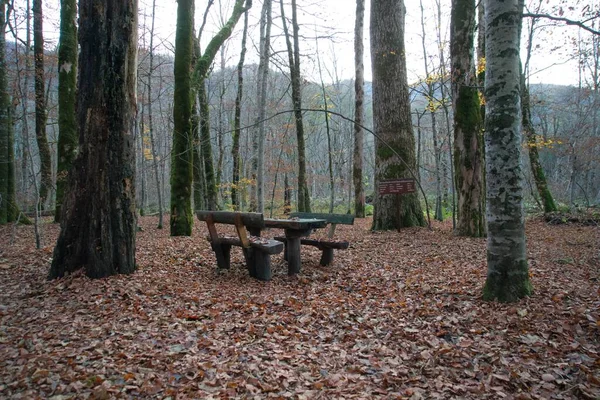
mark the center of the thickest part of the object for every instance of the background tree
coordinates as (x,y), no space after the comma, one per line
(201,71)
(468,132)
(67,96)
(294,61)
(391,116)
(181,159)
(533,143)
(262,83)
(359,111)
(508,275)
(431,83)
(98,225)
(235,147)
(40,104)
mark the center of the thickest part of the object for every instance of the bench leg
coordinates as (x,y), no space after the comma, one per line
(326,257)
(293,255)
(249,256)
(262,266)
(223,254)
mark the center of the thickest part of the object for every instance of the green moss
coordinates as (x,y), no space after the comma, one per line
(181,158)
(508,286)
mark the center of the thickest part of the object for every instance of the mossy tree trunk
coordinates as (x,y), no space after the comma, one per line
(391,116)
(201,71)
(359,111)
(206,147)
(235,146)
(98,222)
(532,143)
(40,105)
(181,219)
(468,124)
(294,61)
(67,96)
(534,156)
(507,272)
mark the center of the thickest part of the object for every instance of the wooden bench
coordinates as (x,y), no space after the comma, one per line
(325,245)
(257,250)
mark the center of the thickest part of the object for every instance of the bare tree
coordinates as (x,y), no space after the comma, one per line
(359,111)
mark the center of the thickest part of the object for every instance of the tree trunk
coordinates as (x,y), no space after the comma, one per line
(432,108)
(468,134)
(359,111)
(181,219)
(508,275)
(140,129)
(151,120)
(206,147)
(199,187)
(534,157)
(294,60)
(40,105)
(8,207)
(391,116)
(257,199)
(200,73)
(98,224)
(67,96)
(235,147)
(529,131)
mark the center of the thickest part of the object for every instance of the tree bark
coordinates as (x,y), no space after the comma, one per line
(508,275)
(40,105)
(181,218)
(391,116)
(468,125)
(67,96)
(294,60)
(359,111)
(98,222)
(8,207)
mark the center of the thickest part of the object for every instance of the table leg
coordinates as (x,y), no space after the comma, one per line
(293,255)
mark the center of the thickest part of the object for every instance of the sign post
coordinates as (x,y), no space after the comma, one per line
(398,187)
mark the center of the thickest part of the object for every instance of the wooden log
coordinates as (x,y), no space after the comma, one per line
(250,220)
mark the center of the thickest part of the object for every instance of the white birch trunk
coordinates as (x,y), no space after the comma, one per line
(507,277)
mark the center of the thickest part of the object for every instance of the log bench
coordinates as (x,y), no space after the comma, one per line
(328,244)
(257,250)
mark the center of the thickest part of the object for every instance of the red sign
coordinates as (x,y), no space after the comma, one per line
(397,186)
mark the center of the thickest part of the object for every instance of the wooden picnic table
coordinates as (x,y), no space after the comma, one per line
(294,229)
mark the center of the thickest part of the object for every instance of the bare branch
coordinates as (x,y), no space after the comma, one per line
(565,20)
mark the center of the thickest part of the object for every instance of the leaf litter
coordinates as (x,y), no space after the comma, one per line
(397,315)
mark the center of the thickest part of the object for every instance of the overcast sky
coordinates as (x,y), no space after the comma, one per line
(335,19)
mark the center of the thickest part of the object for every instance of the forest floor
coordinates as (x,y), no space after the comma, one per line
(397,315)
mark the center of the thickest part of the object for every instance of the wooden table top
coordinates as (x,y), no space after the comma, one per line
(296,224)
